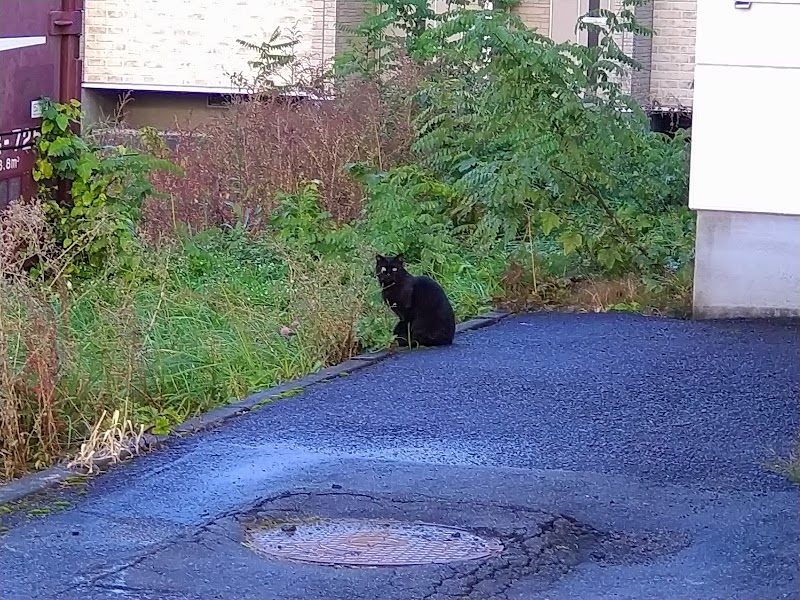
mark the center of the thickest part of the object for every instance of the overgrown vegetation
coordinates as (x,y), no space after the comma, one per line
(97,221)
(513,169)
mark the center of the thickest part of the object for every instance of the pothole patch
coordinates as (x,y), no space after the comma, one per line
(369,543)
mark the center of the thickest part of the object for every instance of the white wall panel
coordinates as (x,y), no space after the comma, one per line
(766,34)
(746,140)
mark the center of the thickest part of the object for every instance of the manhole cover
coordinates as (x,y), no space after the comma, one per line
(370,543)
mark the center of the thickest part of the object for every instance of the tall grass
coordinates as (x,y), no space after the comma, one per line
(30,348)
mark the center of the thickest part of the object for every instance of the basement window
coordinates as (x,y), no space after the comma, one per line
(219,100)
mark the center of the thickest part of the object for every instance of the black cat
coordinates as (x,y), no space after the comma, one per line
(426,317)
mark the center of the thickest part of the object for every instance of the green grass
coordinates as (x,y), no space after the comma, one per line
(200,325)
(788,466)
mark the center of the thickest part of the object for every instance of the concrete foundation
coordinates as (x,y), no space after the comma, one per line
(746,265)
(165,111)
(99,106)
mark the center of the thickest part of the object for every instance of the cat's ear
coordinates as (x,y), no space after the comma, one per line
(401,259)
(379,258)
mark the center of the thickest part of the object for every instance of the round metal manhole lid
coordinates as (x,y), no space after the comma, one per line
(370,543)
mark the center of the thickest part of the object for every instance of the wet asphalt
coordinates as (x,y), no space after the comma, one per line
(615,456)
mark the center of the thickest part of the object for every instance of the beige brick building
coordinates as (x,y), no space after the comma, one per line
(177,56)
(672,67)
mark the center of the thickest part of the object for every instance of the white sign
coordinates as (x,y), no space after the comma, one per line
(14,43)
(36,109)
(600,21)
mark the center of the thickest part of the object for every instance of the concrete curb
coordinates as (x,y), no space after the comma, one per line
(41,481)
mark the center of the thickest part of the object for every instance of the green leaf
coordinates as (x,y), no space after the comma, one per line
(608,257)
(84,169)
(63,122)
(571,241)
(549,221)
(162,426)
(626,306)
(466,165)
(44,170)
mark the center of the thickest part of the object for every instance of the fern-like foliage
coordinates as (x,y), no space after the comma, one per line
(535,133)
(533,137)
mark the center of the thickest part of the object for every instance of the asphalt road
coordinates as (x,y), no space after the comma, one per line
(613,456)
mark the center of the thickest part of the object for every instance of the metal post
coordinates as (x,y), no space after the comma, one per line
(70,72)
(592,36)
(68,24)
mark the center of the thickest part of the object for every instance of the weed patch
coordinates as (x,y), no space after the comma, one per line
(512,169)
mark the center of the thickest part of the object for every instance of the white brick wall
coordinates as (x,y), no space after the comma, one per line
(672,73)
(191,45)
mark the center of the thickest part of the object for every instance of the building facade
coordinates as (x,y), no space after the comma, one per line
(666,80)
(176,58)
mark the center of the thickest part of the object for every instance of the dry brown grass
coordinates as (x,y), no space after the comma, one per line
(257,149)
(29,346)
(113,439)
(526,291)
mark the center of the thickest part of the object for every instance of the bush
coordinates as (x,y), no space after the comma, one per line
(96,222)
(536,145)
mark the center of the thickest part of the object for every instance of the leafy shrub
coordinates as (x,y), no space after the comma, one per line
(108,186)
(537,138)
(299,222)
(408,212)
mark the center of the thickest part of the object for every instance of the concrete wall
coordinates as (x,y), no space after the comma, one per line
(743,181)
(190,45)
(166,111)
(99,106)
(747,265)
(672,74)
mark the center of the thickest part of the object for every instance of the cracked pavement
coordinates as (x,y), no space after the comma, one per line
(615,457)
